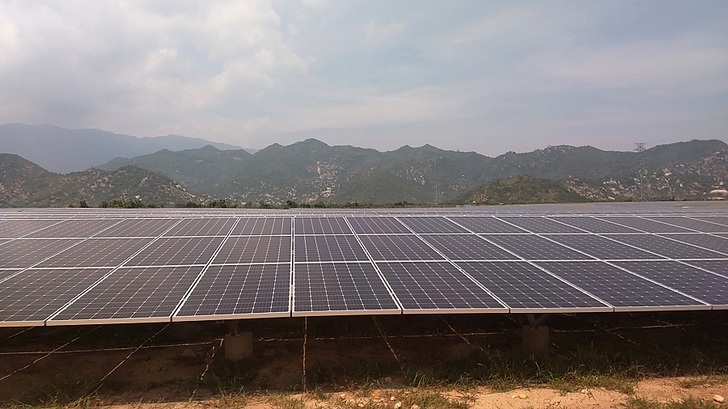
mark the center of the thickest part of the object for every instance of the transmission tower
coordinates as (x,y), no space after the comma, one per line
(641,170)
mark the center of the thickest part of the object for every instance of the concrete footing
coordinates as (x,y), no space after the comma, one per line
(535,339)
(238,347)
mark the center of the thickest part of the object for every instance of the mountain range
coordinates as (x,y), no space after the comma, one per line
(67,150)
(312,172)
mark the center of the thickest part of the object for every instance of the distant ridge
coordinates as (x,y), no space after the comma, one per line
(67,150)
(311,171)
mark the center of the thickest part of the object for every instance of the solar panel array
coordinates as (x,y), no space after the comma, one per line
(68,267)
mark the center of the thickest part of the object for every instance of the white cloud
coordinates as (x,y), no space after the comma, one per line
(377,34)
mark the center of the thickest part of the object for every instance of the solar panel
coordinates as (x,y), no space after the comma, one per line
(693,224)
(64,266)
(29,298)
(486,224)
(666,247)
(215,226)
(594,225)
(431,225)
(177,251)
(328,248)
(19,228)
(321,225)
(715,266)
(23,253)
(436,288)
(241,291)
(602,248)
(708,287)
(139,228)
(255,249)
(96,253)
(710,242)
(263,226)
(346,288)
(74,228)
(470,247)
(535,247)
(646,225)
(625,291)
(722,220)
(398,247)
(376,225)
(526,288)
(131,294)
(540,225)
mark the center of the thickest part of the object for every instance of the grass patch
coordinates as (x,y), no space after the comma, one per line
(281,401)
(226,377)
(63,391)
(694,381)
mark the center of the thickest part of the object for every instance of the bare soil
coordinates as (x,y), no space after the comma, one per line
(595,361)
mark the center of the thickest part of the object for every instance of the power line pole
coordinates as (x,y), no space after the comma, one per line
(641,171)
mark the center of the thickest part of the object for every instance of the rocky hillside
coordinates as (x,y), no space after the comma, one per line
(25,184)
(312,171)
(522,190)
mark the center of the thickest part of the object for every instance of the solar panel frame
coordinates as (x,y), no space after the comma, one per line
(138,227)
(376,225)
(176,251)
(644,225)
(203,226)
(16,228)
(694,225)
(712,242)
(74,228)
(594,225)
(32,251)
(603,248)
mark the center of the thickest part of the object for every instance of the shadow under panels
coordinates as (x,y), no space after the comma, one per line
(619,288)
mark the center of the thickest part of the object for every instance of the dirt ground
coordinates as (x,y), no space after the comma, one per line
(595,361)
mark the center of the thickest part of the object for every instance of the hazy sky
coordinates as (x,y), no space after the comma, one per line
(485,76)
